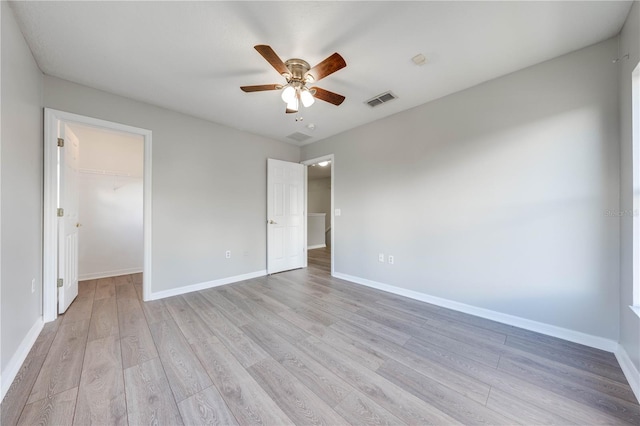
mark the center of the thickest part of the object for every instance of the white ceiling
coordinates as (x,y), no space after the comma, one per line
(193,56)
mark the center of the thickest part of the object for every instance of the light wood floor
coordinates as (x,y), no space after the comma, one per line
(303,348)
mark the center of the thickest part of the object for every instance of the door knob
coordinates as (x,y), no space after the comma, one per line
(78,225)
(272,222)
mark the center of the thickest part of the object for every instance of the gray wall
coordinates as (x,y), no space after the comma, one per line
(319,198)
(21,188)
(629,322)
(494,196)
(209,186)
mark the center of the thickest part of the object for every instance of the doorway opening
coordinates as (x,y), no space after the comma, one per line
(98,199)
(320,223)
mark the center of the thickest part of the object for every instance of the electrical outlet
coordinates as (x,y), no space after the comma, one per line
(33,285)
(227,254)
(390,260)
(381,257)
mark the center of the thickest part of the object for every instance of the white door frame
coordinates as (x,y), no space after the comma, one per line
(52,120)
(328,157)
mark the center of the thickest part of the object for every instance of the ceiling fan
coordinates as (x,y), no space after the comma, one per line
(298,74)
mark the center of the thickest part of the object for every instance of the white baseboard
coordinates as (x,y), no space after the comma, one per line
(107,274)
(539,327)
(209,284)
(15,363)
(317,246)
(629,369)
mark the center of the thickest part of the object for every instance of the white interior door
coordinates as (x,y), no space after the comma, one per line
(68,223)
(285,216)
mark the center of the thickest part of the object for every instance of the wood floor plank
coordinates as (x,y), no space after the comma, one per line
(87,288)
(149,397)
(358,409)
(155,310)
(135,337)
(397,336)
(540,397)
(488,357)
(104,319)
(402,404)
(244,303)
(275,305)
(206,408)
(124,289)
(308,371)
(303,322)
(428,311)
(296,400)
(183,369)
(101,398)
(521,411)
(381,317)
(246,399)
(243,348)
(312,295)
(190,323)
(54,410)
(442,397)
(624,410)
(139,291)
(79,310)
(428,366)
(105,289)
(231,311)
(284,327)
(569,357)
(63,365)
(358,351)
(136,278)
(464,332)
(571,374)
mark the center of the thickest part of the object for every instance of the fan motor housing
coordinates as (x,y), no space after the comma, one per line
(298,69)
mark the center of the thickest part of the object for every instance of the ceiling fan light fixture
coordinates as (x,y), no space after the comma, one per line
(288,94)
(298,74)
(306,97)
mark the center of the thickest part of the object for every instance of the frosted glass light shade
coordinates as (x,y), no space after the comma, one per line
(293,104)
(306,97)
(288,94)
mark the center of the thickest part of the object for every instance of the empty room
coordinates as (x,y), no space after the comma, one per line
(314,212)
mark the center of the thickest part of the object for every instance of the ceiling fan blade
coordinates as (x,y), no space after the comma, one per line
(261,87)
(327,96)
(268,53)
(330,65)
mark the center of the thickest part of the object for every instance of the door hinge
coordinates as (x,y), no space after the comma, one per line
(60,212)
(60,142)
(60,282)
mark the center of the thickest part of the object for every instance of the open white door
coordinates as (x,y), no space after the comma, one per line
(285,216)
(68,218)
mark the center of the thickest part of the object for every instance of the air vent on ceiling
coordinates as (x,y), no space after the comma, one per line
(299,137)
(380,99)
